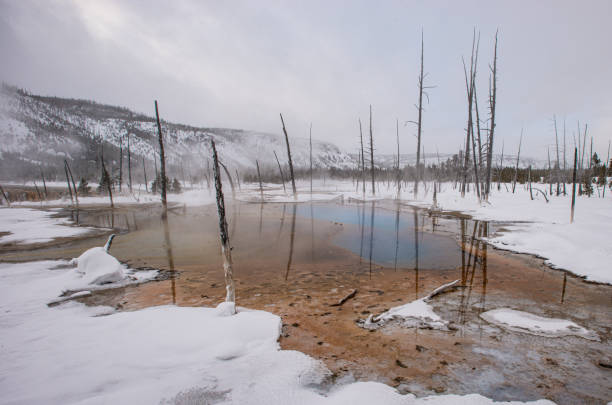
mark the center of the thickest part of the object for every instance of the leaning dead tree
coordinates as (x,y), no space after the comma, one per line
(162,161)
(8,202)
(574,186)
(229,177)
(289,156)
(259,179)
(69,172)
(230,295)
(492,105)
(280,171)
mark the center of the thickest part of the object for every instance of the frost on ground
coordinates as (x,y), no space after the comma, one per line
(415,314)
(73,355)
(27,226)
(519,321)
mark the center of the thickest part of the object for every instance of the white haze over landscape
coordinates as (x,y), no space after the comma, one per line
(238,64)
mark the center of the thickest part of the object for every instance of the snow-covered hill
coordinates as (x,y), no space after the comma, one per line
(41,131)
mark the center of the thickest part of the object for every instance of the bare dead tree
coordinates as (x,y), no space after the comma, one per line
(76,194)
(162,162)
(518,158)
(8,202)
(574,186)
(259,178)
(529,180)
(289,157)
(68,183)
(419,123)
(558,161)
(281,172)
(237,179)
(144,170)
(469,88)
(44,182)
(399,177)
(311,158)
(492,106)
(372,153)
(129,162)
(120,162)
(107,179)
(229,178)
(230,295)
(362,159)
(501,168)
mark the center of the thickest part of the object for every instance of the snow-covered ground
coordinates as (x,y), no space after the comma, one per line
(525,322)
(27,226)
(74,354)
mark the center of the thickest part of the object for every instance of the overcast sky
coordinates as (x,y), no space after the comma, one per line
(237,64)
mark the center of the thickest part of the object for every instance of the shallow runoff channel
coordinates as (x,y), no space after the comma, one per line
(296,260)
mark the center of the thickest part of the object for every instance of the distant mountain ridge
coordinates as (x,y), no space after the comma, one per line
(39,131)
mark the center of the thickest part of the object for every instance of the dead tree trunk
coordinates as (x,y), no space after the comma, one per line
(558,164)
(44,182)
(230,295)
(311,159)
(518,158)
(529,180)
(229,177)
(574,186)
(362,159)
(289,156)
(129,157)
(280,171)
(492,105)
(162,161)
(144,170)
(399,177)
(237,179)
(76,194)
(8,202)
(259,178)
(372,153)
(120,163)
(106,179)
(501,168)
(68,182)
(419,125)
(469,89)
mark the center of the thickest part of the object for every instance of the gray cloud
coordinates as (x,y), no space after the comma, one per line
(238,64)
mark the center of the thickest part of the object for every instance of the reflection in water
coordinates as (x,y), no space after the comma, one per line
(397,217)
(564,284)
(291,240)
(312,232)
(391,235)
(416,253)
(477,259)
(282,223)
(371,236)
(168,246)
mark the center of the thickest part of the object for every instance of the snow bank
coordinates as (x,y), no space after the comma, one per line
(417,313)
(28,226)
(166,354)
(98,267)
(526,322)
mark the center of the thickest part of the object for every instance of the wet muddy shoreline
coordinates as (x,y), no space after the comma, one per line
(291,265)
